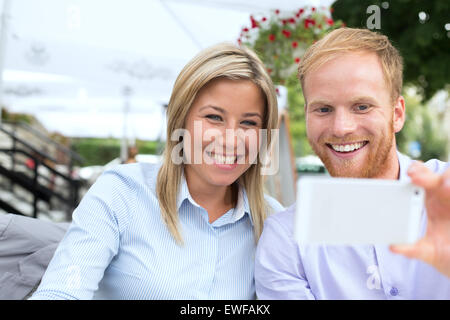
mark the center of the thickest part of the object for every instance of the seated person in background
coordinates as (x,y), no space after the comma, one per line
(352,82)
(132,153)
(183,229)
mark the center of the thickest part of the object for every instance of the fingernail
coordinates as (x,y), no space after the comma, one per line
(447,183)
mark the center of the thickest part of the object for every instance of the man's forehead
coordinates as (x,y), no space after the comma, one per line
(353,74)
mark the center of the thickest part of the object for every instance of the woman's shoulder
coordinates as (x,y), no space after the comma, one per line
(140,172)
(126,179)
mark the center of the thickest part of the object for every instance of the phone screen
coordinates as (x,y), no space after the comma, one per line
(357,211)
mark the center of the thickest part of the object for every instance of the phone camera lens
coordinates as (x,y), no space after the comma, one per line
(416,192)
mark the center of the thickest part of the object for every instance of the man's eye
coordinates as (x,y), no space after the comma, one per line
(362,107)
(323,109)
(214,117)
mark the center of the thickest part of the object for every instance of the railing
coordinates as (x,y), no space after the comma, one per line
(30,176)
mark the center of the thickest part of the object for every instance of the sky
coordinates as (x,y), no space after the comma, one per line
(69,62)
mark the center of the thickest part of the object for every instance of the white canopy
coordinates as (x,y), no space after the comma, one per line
(69,62)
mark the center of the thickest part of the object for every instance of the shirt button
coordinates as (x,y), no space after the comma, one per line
(394,291)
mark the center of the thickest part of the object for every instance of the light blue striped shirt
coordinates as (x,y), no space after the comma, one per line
(118,246)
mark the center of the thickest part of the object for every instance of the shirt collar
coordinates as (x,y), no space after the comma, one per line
(404,162)
(184,192)
(242,205)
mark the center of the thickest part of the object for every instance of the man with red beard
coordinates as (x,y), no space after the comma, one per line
(352,82)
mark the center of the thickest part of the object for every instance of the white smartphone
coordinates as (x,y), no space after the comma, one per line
(348,211)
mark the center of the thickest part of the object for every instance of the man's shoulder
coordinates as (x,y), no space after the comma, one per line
(273,203)
(437,166)
(283,218)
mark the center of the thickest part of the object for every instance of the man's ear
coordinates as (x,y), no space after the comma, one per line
(399,114)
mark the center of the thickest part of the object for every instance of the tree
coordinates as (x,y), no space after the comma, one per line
(424,127)
(420,30)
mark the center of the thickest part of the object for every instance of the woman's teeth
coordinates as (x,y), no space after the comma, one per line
(220,159)
(347,147)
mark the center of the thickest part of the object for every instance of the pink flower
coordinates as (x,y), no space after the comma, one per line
(271,37)
(330,21)
(297,60)
(277,11)
(294,44)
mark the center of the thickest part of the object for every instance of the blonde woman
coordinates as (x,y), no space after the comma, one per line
(185,229)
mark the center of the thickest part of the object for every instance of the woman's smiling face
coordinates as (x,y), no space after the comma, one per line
(223,124)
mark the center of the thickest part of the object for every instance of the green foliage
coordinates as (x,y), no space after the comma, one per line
(424,126)
(98,151)
(16,117)
(424,45)
(297,119)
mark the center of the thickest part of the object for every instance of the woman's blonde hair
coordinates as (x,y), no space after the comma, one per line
(351,39)
(220,61)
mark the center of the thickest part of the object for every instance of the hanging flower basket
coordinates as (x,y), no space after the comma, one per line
(281,39)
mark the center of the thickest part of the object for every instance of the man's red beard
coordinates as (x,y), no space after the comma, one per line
(375,164)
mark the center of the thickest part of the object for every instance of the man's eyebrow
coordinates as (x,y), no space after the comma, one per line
(321,102)
(363,99)
(352,101)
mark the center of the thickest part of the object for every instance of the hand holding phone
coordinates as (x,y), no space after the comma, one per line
(349,211)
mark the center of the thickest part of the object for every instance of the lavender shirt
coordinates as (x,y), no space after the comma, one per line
(285,270)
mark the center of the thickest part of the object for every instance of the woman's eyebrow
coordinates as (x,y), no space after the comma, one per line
(252,114)
(219,109)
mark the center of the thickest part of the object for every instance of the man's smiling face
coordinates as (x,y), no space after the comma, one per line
(350,116)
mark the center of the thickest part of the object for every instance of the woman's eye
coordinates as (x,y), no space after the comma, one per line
(214,117)
(249,123)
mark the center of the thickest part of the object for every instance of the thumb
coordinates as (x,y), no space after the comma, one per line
(422,176)
(421,250)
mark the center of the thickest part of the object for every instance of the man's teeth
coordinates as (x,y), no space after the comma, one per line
(347,147)
(223,159)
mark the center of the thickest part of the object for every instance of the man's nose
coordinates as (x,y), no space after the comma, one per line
(344,123)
